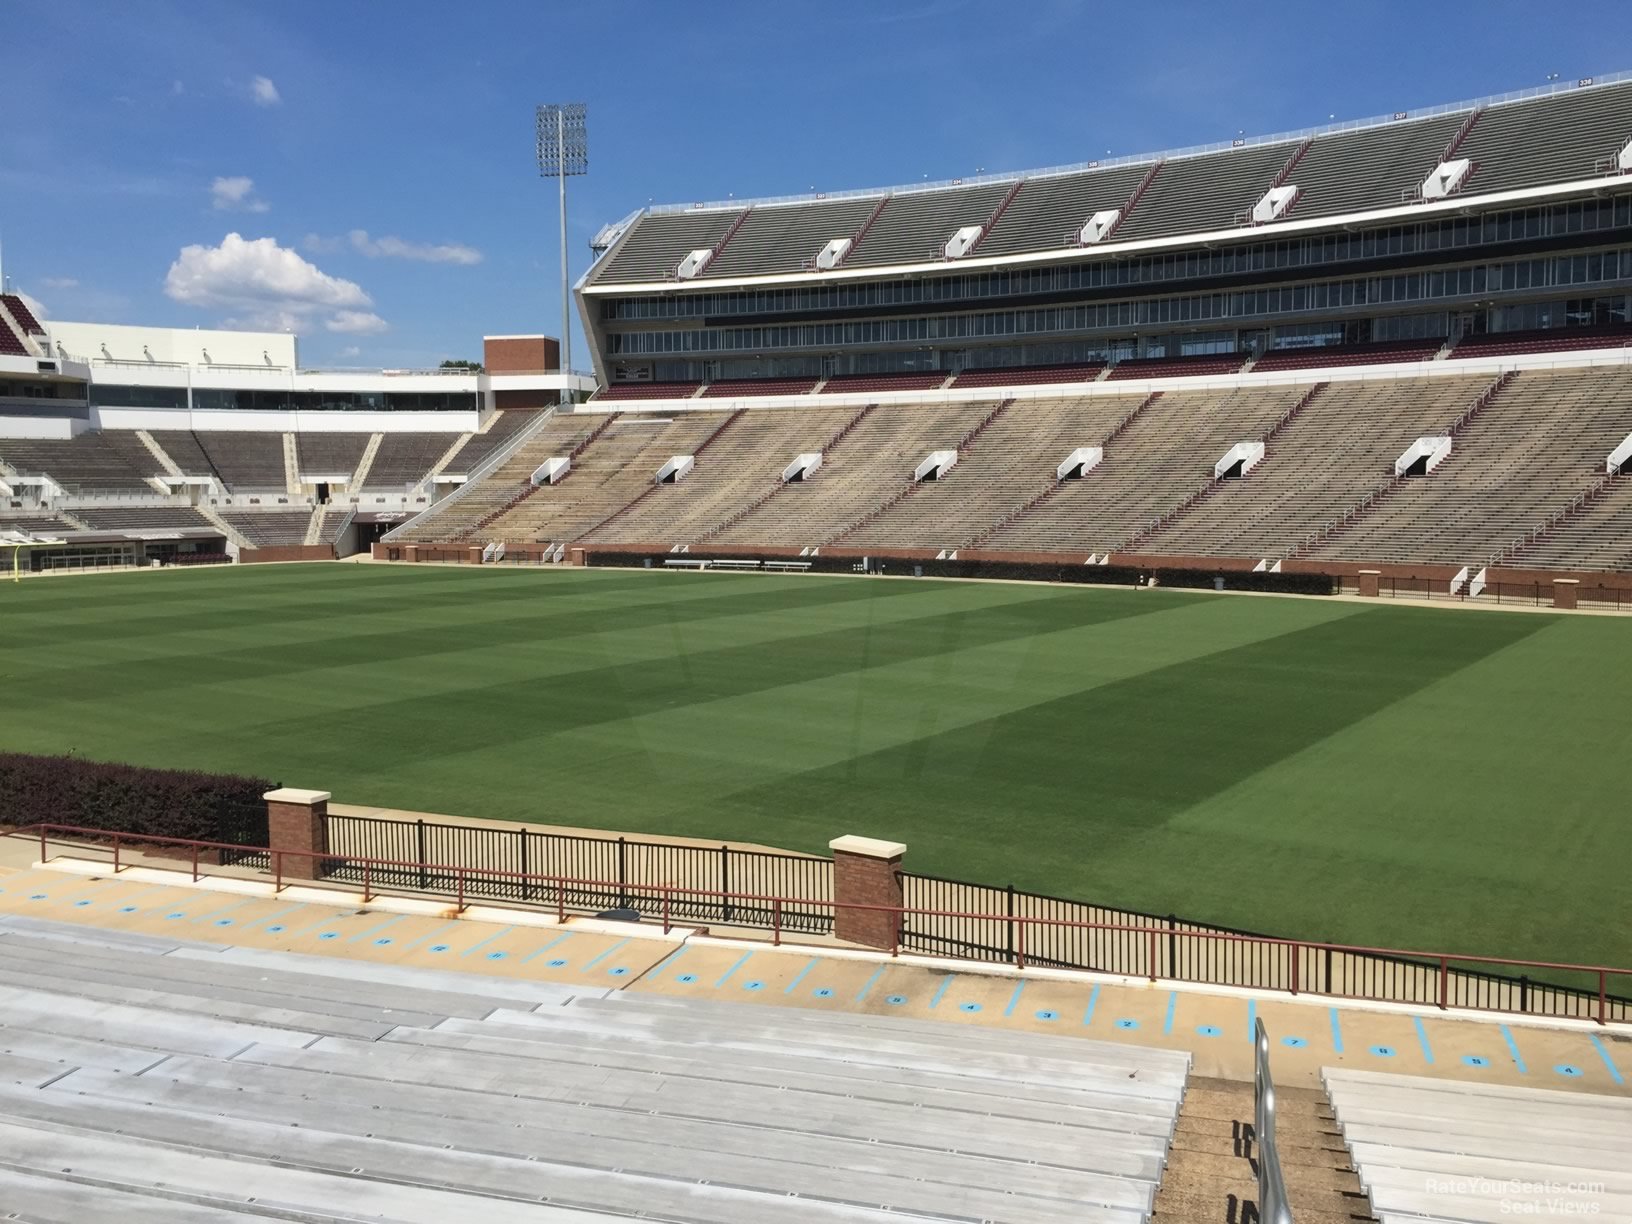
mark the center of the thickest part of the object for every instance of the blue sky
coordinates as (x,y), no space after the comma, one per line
(375,159)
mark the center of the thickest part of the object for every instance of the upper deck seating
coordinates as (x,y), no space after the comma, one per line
(404,458)
(786,237)
(330,454)
(107,461)
(653,248)
(1552,139)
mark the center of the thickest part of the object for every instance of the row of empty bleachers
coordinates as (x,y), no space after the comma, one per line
(107,461)
(270,528)
(330,454)
(1050,211)
(1339,448)
(1198,366)
(33,523)
(1163,457)
(1030,376)
(1558,138)
(1430,1150)
(655,245)
(1200,194)
(1554,139)
(648,390)
(1548,340)
(152,1080)
(142,518)
(758,386)
(775,235)
(243,461)
(871,464)
(742,465)
(1539,444)
(614,469)
(1597,537)
(914,225)
(857,384)
(1330,355)
(404,458)
(501,429)
(1017,456)
(458,515)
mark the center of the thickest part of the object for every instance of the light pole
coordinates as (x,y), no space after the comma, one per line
(563,149)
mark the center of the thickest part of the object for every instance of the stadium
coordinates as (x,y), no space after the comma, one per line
(1093,693)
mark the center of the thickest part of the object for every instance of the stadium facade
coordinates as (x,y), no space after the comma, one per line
(1505,215)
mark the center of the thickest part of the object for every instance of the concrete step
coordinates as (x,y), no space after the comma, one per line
(39,1198)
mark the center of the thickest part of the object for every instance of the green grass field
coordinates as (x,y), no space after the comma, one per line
(1381,774)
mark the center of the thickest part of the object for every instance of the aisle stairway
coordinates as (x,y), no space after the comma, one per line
(1211,1174)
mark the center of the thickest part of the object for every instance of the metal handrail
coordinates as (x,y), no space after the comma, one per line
(1272,1205)
(1441,962)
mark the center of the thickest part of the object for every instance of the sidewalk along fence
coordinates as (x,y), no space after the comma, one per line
(1433,979)
(1003,925)
(617,871)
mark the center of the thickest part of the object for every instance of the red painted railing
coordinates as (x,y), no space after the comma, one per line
(1446,965)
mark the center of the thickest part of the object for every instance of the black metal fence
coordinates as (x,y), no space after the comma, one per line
(243,824)
(628,874)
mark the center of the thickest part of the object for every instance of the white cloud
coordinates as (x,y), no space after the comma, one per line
(264,92)
(357,323)
(267,285)
(60,282)
(319,245)
(236,194)
(351,350)
(388,247)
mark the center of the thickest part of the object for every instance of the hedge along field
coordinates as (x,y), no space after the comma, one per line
(1373,773)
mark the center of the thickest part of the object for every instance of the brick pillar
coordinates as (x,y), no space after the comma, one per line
(296,820)
(410,552)
(1369,583)
(575,556)
(866,872)
(475,554)
(1564,592)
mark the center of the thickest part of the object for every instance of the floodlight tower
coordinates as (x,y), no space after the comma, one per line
(563,149)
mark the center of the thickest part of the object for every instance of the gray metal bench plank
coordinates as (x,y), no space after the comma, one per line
(227,984)
(163,1030)
(915,1180)
(717,1100)
(37,1198)
(614,1048)
(124,1162)
(1009,1068)
(384,1161)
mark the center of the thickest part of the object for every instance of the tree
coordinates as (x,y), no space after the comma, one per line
(462,364)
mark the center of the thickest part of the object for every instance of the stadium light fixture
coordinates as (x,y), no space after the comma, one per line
(563,150)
